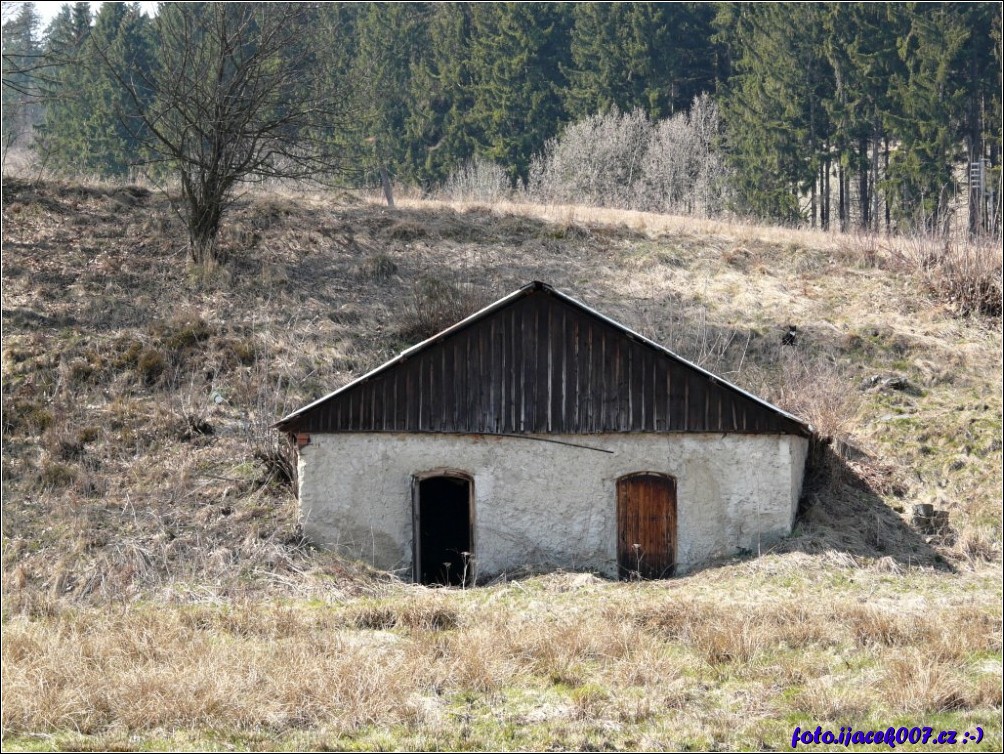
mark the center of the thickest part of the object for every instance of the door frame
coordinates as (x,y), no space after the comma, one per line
(676,515)
(416,518)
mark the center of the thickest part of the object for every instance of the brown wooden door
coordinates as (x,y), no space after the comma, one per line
(646,526)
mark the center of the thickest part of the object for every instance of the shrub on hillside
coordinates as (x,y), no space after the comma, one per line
(964,272)
(627,161)
(595,161)
(478,180)
(683,171)
(150,365)
(24,415)
(438,303)
(968,276)
(266,396)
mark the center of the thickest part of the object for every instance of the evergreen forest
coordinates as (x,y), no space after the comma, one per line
(850,116)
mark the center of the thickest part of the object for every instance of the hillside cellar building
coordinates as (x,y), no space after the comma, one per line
(539,433)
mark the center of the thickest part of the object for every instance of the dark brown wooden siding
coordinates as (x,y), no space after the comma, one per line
(541,364)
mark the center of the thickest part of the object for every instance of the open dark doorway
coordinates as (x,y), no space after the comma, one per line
(443,552)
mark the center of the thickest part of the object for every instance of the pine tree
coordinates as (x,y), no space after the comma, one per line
(861,46)
(23,76)
(930,103)
(777,130)
(980,72)
(437,126)
(518,53)
(656,56)
(603,74)
(114,131)
(390,39)
(63,137)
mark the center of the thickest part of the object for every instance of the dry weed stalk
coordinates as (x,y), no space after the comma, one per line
(962,271)
(188,524)
(817,390)
(441,300)
(478,180)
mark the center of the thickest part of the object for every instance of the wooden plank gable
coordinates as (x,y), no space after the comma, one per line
(539,362)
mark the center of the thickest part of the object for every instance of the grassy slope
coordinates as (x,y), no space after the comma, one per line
(155,584)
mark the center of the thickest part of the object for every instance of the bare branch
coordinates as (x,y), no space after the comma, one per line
(235,98)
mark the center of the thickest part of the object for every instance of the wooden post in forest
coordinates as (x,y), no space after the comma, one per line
(388,191)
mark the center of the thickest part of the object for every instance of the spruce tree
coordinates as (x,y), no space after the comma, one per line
(24,71)
(980,72)
(63,136)
(861,45)
(518,54)
(390,39)
(776,127)
(114,129)
(611,66)
(438,124)
(930,102)
(656,56)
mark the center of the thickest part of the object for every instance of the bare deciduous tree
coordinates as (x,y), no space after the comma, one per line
(628,161)
(478,180)
(237,96)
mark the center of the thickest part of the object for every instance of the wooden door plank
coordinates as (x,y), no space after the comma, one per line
(646,525)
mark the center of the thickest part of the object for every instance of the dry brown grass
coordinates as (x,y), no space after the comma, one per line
(147,377)
(963,272)
(966,272)
(439,301)
(413,659)
(157,670)
(914,681)
(134,393)
(818,390)
(650,223)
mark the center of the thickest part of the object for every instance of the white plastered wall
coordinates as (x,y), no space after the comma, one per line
(544,503)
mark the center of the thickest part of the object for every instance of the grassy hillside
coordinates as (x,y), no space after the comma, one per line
(157,590)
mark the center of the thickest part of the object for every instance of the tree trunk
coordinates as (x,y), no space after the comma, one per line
(885,168)
(974,149)
(874,175)
(812,212)
(202,250)
(993,206)
(385,184)
(825,208)
(842,206)
(205,213)
(863,198)
(388,192)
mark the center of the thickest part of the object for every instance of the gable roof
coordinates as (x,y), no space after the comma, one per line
(539,362)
